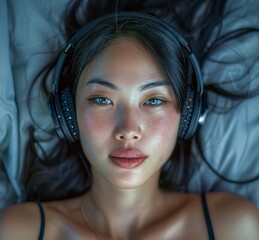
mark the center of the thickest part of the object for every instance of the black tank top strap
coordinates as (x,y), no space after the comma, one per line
(42,219)
(207,217)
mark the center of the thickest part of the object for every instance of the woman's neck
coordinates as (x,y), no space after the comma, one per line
(122,211)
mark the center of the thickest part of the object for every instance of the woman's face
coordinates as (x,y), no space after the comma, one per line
(127,115)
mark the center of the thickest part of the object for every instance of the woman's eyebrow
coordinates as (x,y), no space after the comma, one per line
(105,83)
(154,84)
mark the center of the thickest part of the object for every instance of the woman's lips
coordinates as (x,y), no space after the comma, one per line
(127,158)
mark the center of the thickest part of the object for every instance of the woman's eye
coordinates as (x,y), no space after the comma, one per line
(101,100)
(154,101)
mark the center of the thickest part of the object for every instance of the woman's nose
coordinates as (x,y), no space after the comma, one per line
(128,126)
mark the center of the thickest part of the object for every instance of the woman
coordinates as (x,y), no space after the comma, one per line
(130,77)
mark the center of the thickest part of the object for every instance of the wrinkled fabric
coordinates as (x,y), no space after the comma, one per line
(32,34)
(230,135)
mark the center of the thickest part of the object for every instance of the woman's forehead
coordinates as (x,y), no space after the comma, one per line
(124,57)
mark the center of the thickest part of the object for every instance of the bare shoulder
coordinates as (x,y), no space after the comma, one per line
(21,221)
(233,217)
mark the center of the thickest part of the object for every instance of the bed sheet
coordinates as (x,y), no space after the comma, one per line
(32,34)
(229,156)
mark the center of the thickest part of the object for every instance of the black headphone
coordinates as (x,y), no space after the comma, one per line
(61,100)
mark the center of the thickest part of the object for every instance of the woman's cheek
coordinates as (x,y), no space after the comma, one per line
(163,137)
(159,132)
(165,128)
(93,124)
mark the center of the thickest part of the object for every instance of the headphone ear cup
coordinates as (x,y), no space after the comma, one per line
(186,128)
(68,109)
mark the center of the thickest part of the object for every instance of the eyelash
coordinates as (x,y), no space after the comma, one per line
(97,100)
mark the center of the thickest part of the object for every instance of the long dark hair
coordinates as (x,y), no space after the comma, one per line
(73,179)
(162,43)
